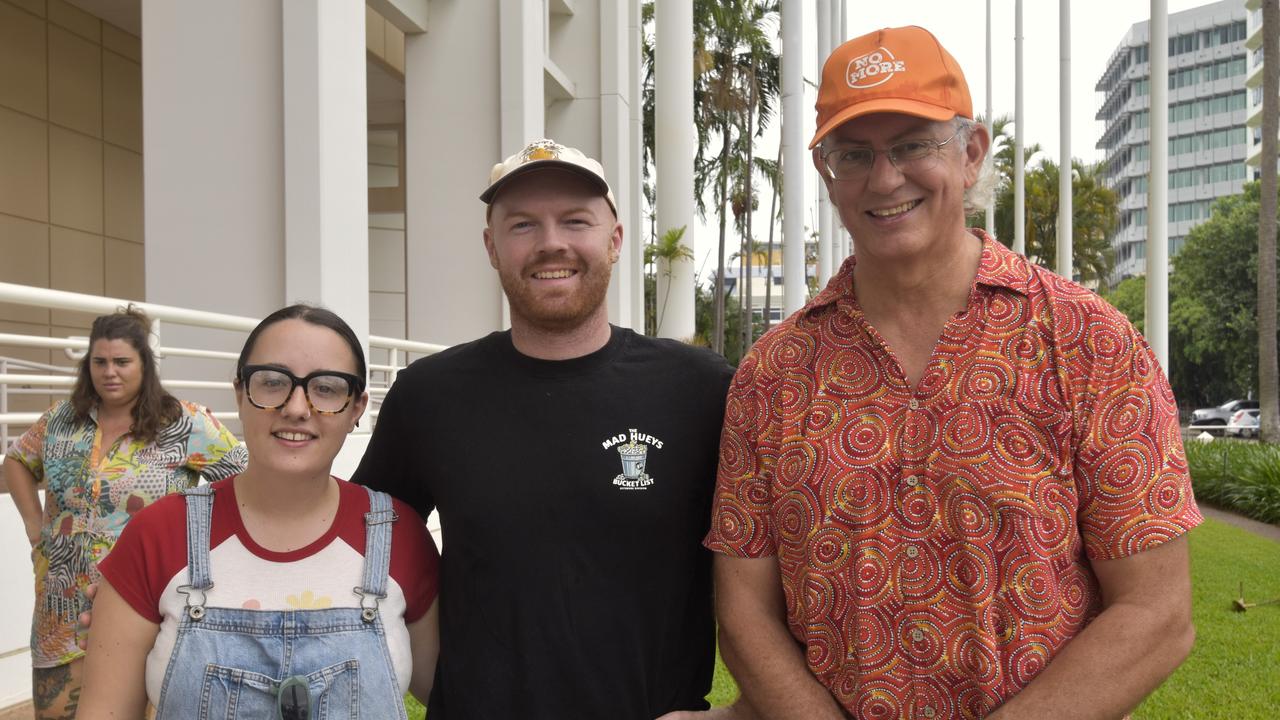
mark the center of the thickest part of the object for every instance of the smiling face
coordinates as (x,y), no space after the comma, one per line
(116,371)
(897,214)
(553,239)
(294,440)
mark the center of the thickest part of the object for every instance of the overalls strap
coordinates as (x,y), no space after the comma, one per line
(199,500)
(377,553)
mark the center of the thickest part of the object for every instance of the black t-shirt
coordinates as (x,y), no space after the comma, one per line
(573,498)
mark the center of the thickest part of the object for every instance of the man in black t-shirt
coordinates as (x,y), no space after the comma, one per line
(572,463)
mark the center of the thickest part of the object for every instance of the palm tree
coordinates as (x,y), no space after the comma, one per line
(669,249)
(1268,385)
(1093,217)
(735,88)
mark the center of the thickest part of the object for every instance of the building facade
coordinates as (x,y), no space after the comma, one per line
(1208,139)
(239,155)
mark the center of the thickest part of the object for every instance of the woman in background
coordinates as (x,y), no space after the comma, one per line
(118,444)
(282,592)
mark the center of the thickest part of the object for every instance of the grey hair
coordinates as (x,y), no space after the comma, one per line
(979,195)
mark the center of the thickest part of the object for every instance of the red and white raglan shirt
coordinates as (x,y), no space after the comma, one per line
(149,563)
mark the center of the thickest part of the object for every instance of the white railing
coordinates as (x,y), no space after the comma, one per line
(24,377)
(398,352)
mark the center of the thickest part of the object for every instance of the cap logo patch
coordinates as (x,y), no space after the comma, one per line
(874,68)
(545,150)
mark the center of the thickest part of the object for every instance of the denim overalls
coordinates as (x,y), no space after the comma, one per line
(229,663)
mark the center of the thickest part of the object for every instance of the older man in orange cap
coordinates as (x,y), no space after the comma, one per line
(952,485)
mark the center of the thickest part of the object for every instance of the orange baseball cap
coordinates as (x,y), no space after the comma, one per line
(898,70)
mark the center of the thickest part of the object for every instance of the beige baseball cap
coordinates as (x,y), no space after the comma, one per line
(543,154)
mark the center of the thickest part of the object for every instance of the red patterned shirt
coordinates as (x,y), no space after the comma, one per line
(934,542)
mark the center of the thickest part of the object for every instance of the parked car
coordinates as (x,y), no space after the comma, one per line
(1244,423)
(1221,415)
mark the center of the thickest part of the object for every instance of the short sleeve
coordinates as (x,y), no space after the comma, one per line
(1130,467)
(29,449)
(387,462)
(741,524)
(415,562)
(212,450)
(153,540)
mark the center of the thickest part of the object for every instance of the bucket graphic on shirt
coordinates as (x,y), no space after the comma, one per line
(633,476)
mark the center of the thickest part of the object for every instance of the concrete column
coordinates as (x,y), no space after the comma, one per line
(991,206)
(795,156)
(1156,327)
(213,171)
(1019,119)
(827,248)
(452,130)
(521,49)
(616,100)
(675,145)
(839,236)
(520,55)
(326,158)
(1065,226)
(633,244)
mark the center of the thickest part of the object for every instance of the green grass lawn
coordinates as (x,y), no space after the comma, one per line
(1234,669)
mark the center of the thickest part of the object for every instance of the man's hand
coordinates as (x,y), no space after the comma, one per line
(737,711)
(758,648)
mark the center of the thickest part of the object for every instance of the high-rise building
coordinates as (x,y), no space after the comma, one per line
(1253,82)
(1208,140)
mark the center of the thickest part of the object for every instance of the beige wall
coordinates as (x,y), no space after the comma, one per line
(70,165)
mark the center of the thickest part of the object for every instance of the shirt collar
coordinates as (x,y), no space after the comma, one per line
(1000,267)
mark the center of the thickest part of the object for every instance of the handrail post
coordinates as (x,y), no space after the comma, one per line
(4,407)
(155,342)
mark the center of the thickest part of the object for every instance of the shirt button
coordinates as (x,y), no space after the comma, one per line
(917,635)
(928,711)
(912,551)
(914,404)
(912,481)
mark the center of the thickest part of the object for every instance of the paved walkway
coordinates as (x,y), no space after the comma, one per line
(1240,521)
(18,712)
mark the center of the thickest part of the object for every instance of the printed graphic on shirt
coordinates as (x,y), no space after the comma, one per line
(633,449)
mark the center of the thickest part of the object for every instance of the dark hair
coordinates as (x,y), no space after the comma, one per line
(154,409)
(316,316)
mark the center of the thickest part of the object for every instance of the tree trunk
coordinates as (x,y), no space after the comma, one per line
(717,339)
(1269,400)
(773,220)
(751,249)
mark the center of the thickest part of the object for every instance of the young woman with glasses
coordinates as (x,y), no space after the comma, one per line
(282,592)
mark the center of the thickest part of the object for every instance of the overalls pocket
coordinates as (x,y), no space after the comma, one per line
(232,694)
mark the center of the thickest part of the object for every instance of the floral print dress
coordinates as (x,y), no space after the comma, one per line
(92,491)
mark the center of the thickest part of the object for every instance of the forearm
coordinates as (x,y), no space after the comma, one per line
(1120,657)
(26,497)
(757,647)
(115,661)
(770,669)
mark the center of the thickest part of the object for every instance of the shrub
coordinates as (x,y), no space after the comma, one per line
(1240,476)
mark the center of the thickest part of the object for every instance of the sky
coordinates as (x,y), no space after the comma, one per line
(1097,28)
